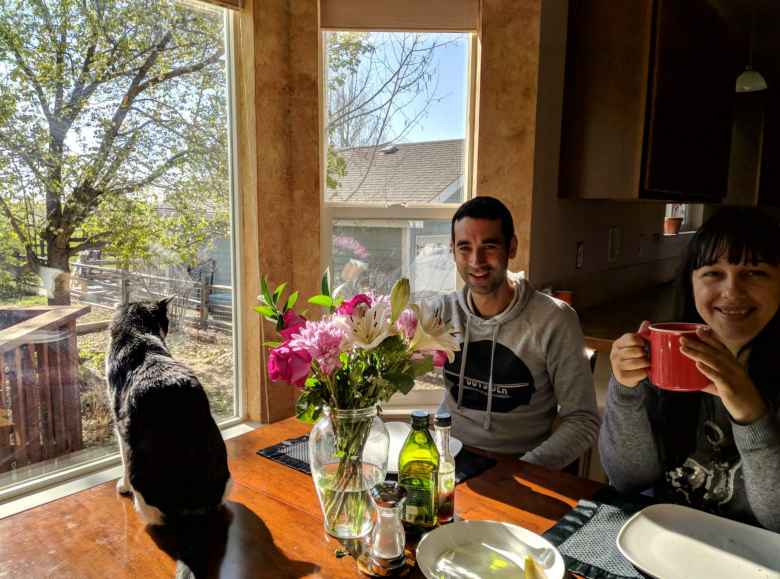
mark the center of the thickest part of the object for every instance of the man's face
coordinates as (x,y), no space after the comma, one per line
(481,254)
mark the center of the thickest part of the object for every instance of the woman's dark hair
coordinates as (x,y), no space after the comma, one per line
(742,235)
(484,207)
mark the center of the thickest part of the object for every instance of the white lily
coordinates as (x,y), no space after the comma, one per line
(368,327)
(432,333)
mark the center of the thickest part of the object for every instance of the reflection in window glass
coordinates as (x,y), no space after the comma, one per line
(114,186)
(396,117)
(373,254)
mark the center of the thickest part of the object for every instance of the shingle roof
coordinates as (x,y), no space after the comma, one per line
(401,173)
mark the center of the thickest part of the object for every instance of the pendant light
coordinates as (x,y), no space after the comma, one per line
(751,80)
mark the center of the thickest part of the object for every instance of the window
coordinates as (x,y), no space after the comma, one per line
(115,185)
(398,133)
(398,150)
(682,217)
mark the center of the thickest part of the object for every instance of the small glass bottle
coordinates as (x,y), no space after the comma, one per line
(418,466)
(388,537)
(446,483)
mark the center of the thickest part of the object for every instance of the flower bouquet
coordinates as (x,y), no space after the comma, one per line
(360,353)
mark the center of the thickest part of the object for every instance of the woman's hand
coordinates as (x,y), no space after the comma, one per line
(730,380)
(629,359)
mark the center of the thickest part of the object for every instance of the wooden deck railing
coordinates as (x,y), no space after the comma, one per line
(40,409)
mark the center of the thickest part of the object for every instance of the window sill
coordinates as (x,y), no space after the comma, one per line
(40,491)
(679,233)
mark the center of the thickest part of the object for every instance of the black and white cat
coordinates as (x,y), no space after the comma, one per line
(174,458)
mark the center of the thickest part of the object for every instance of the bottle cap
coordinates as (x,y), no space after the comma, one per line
(443,419)
(388,494)
(419,418)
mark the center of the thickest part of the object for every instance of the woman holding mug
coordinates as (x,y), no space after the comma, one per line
(718,449)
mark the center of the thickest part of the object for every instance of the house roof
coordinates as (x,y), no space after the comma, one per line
(426,172)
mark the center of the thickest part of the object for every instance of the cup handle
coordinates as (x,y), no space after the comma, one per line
(644,330)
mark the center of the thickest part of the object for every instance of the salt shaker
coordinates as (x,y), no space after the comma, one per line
(388,538)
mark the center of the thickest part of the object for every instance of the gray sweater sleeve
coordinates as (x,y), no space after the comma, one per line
(759,446)
(627,446)
(572,382)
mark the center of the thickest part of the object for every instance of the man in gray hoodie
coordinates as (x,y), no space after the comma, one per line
(522,360)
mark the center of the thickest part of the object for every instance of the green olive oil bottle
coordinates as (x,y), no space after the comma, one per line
(418,468)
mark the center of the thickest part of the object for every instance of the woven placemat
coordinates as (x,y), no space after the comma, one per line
(586,536)
(295,454)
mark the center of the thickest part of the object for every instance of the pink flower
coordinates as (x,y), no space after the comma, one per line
(349,306)
(322,340)
(439,358)
(289,365)
(407,323)
(292,324)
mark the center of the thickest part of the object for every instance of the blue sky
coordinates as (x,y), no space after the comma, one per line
(446,119)
(445,115)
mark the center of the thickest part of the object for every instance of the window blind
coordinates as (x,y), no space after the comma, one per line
(427,15)
(232,4)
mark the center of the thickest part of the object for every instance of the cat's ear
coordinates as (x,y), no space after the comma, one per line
(163,303)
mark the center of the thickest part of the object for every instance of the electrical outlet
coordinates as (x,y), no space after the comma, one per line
(580,254)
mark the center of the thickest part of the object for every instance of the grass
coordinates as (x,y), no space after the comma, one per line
(212,363)
(24,301)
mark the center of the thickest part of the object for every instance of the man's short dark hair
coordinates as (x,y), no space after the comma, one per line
(484,207)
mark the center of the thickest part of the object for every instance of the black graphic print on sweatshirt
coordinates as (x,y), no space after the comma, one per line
(513,383)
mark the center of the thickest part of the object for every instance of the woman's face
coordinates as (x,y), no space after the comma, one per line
(736,301)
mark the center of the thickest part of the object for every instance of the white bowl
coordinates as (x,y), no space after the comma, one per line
(485,549)
(398,432)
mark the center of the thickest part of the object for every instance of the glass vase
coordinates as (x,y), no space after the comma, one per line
(348,455)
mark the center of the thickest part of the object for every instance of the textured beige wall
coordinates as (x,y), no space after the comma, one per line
(558,224)
(277,96)
(506,110)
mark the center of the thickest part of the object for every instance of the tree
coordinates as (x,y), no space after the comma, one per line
(109,109)
(380,86)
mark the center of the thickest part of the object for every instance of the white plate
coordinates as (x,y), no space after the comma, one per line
(485,549)
(398,432)
(676,542)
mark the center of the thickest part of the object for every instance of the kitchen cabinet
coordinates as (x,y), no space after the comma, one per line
(769,172)
(648,97)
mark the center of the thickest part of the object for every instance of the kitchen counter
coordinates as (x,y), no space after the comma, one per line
(607,322)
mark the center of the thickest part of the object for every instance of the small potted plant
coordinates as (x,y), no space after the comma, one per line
(674,219)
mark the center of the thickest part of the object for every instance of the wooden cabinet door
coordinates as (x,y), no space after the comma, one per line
(769,171)
(688,130)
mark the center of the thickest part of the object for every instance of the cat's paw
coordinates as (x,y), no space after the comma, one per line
(123,488)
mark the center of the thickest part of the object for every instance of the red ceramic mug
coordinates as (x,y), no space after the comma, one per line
(669,368)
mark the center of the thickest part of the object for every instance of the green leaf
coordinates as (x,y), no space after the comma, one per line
(266,294)
(291,300)
(278,292)
(422,366)
(272,344)
(403,383)
(325,284)
(322,300)
(266,311)
(305,410)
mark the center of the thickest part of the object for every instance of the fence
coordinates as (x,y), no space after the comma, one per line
(196,302)
(40,411)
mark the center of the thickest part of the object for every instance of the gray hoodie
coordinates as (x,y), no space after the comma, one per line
(515,373)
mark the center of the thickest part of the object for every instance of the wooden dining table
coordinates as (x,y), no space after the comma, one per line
(271,527)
